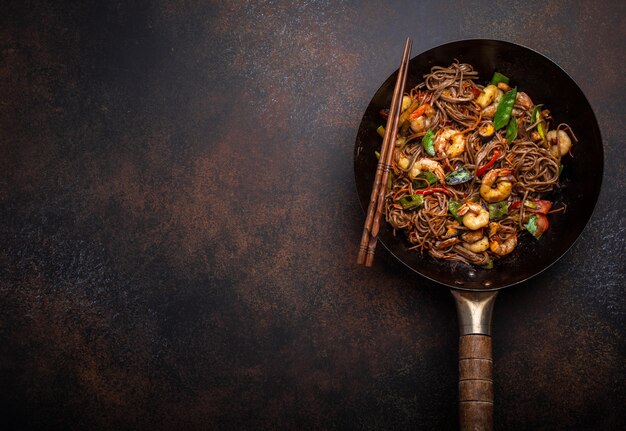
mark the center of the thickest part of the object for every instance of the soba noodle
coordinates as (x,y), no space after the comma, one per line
(505,179)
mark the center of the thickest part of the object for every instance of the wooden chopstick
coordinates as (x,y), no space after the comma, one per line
(369,238)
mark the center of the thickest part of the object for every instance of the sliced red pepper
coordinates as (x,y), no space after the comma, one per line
(433,190)
(515,205)
(476,91)
(489,164)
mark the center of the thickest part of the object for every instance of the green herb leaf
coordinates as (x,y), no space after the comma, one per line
(459,176)
(377,154)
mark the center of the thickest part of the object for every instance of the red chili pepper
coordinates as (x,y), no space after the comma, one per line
(433,190)
(384,113)
(476,91)
(515,205)
(484,169)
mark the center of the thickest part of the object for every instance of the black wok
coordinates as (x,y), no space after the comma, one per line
(474,288)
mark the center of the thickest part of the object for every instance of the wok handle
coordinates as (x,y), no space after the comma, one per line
(475,383)
(475,360)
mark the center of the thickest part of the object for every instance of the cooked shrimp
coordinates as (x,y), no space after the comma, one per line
(523,100)
(449,143)
(424,121)
(472,236)
(489,111)
(422,165)
(474,215)
(503,247)
(475,241)
(560,142)
(502,179)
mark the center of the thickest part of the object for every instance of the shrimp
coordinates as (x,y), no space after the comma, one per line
(489,111)
(424,121)
(474,215)
(503,186)
(475,241)
(523,100)
(422,165)
(450,143)
(560,142)
(503,247)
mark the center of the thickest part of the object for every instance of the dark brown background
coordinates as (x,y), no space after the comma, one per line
(179,224)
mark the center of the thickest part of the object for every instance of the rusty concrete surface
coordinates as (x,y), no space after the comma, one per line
(179,224)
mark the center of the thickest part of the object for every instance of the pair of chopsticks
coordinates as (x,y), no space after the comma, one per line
(377,198)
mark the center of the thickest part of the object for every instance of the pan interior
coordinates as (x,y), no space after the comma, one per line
(544,82)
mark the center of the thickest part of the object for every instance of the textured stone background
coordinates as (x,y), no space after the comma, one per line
(179,224)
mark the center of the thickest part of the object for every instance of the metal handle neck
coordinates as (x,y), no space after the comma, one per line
(474,310)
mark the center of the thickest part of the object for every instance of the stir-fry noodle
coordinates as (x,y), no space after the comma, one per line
(472,165)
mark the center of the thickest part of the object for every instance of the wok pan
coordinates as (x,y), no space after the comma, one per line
(475,289)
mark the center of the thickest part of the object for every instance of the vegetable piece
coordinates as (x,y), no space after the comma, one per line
(433,190)
(498,210)
(487,96)
(377,154)
(561,166)
(406,102)
(405,115)
(486,130)
(489,164)
(425,179)
(504,109)
(542,206)
(381,131)
(390,181)
(537,225)
(511,130)
(428,142)
(534,116)
(535,206)
(542,225)
(410,202)
(531,226)
(489,265)
(459,176)
(498,78)
(400,141)
(453,208)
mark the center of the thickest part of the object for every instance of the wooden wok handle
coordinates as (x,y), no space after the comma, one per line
(475,359)
(475,383)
